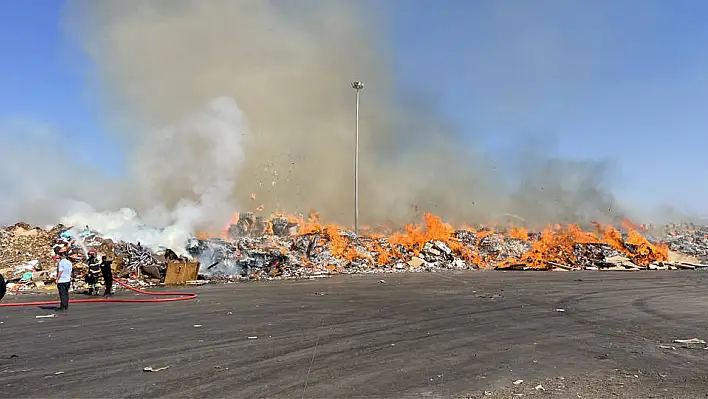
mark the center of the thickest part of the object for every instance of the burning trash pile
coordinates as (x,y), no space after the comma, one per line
(256,247)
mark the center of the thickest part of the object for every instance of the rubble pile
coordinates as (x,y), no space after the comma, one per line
(311,248)
(76,244)
(255,247)
(22,243)
(29,256)
(688,239)
(136,258)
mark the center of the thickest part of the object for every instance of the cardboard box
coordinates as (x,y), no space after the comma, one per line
(181,272)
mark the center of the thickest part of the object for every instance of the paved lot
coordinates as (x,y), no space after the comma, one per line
(416,335)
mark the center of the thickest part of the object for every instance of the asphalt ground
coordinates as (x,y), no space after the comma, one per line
(565,334)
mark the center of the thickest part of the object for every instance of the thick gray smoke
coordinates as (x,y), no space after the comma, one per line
(191,161)
(286,68)
(184,179)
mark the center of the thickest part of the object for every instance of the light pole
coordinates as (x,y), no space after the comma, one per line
(358,86)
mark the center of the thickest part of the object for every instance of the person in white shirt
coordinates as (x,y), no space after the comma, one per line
(63,281)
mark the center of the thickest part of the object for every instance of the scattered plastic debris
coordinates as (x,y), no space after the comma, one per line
(149,369)
(689,341)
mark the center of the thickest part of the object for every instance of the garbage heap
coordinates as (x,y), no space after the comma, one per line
(25,255)
(22,243)
(28,256)
(256,247)
(287,247)
(688,239)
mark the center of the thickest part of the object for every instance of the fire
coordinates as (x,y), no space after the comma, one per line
(556,245)
(518,233)
(341,246)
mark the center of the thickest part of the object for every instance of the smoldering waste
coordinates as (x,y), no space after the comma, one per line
(256,247)
(259,247)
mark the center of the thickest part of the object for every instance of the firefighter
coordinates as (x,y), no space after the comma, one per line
(94,270)
(3,286)
(107,275)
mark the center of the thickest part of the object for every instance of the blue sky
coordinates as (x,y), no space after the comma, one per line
(42,80)
(625,82)
(618,80)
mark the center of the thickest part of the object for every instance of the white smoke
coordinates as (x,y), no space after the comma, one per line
(199,158)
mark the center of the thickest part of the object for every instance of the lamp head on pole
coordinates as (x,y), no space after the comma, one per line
(357,85)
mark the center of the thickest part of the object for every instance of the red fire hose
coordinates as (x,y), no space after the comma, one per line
(175,296)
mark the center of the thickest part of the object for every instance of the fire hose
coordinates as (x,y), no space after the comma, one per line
(174,296)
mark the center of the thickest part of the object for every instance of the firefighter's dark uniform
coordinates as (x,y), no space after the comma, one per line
(3,286)
(92,277)
(107,276)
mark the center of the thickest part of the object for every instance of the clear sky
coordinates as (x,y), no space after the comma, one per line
(619,80)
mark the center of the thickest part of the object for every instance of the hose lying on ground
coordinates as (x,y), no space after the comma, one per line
(174,296)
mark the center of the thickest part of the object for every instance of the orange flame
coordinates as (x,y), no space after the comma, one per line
(555,244)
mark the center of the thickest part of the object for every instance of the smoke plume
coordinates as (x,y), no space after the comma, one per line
(184,177)
(275,77)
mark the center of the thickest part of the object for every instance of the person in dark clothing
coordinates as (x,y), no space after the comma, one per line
(63,289)
(3,286)
(107,275)
(92,276)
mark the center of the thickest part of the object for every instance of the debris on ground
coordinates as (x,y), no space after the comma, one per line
(149,369)
(688,239)
(689,341)
(22,243)
(255,247)
(434,246)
